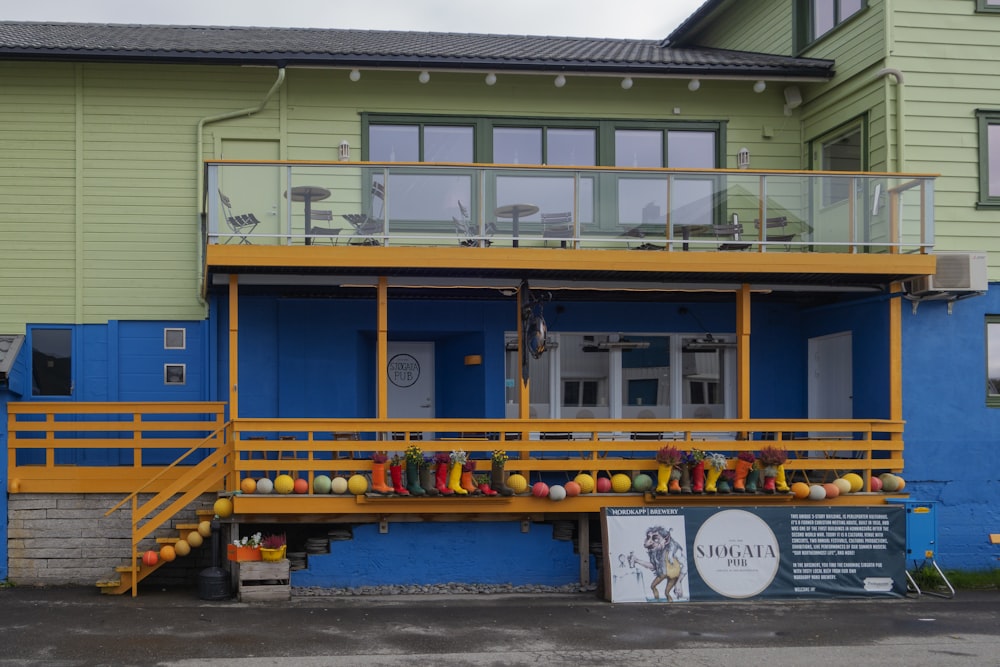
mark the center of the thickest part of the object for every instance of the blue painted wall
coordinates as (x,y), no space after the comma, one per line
(952,438)
(441,553)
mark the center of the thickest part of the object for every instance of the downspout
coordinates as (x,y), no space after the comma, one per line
(898,75)
(199,177)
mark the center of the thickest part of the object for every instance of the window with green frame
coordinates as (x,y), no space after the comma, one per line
(816,18)
(993,361)
(553,142)
(840,150)
(988,5)
(989,158)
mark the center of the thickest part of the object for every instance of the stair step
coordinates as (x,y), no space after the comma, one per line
(167,540)
(109,583)
(127,568)
(187,526)
(206,514)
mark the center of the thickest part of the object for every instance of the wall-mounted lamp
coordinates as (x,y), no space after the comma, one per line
(560,81)
(491,79)
(424,77)
(627,83)
(743,158)
(355,75)
(759,87)
(344,151)
(473,359)
(694,84)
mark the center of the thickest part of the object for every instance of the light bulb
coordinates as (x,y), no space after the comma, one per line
(355,75)
(627,83)
(491,79)
(560,81)
(759,87)
(424,77)
(694,84)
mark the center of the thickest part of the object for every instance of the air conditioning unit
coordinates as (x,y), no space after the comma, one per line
(956,272)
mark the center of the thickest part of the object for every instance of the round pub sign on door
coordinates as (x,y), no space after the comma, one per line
(403,370)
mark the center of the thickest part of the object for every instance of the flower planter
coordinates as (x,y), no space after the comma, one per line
(273,555)
(242,554)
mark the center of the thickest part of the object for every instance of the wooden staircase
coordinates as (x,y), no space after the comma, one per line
(122,581)
(208,476)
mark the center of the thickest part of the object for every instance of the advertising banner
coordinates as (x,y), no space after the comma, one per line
(681,554)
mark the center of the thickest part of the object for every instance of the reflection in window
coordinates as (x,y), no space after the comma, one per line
(841,152)
(993,360)
(989,156)
(517,145)
(646,378)
(703,381)
(828,14)
(51,362)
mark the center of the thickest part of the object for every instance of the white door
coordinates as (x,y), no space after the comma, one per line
(830,377)
(410,374)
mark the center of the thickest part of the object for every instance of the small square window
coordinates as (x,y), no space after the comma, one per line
(174,373)
(174,339)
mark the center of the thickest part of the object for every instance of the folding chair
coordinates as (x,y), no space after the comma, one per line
(242,225)
(368,227)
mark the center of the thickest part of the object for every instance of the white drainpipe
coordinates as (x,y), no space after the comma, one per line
(898,75)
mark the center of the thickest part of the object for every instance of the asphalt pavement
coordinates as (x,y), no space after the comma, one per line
(79,626)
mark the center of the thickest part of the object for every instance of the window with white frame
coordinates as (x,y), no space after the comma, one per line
(174,339)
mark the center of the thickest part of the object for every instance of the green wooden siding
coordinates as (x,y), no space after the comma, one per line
(948,53)
(764,26)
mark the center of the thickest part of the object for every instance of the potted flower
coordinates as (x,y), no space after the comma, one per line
(458,458)
(698,470)
(467,481)
(396,473)
(244,549)
(427,475)
(498,461)
(714,465)
(272,548)
(667,458)
(482,483)
(379,459)
(414,459)
(772,461)
(442,461)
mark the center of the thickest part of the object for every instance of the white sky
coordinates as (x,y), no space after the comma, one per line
(638,19)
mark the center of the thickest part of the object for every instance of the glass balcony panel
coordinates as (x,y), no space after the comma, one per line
(610,208)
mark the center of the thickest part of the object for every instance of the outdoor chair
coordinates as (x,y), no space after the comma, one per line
(329,233)
(242,224)
(558,226)
(732,233)
(467,233)
(368,227)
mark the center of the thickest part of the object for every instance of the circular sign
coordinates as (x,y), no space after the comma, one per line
(403,370)
(736,553)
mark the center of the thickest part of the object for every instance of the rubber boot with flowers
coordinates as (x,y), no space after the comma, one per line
(698,471)
(753,479)
(666,458)
(498,482)
(482,483)
(414,457)
(467,481)
(455,474)
(442,461)
(396,473)
(378,473)
(744,463)
(685,469)
(780,484)
(771,459)
(714,465)
(427,478)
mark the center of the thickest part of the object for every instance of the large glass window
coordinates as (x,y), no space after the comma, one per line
(993,360)
(51,362)
(626,376)
(816,18)
(989,158)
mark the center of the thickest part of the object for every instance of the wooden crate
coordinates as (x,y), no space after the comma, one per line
(264,582)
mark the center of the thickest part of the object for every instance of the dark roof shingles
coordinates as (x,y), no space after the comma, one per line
(346,47)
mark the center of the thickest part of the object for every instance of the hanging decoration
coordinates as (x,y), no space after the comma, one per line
(533,328)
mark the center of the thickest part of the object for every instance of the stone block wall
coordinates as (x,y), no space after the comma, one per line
(65,539)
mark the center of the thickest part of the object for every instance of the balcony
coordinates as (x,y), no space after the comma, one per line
(452,205)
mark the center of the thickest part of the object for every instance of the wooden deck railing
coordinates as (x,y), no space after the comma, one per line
(49,444)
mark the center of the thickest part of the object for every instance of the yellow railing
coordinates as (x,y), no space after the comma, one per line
(56,433)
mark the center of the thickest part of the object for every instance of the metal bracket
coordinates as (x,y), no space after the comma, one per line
(525,525)
(383,527)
